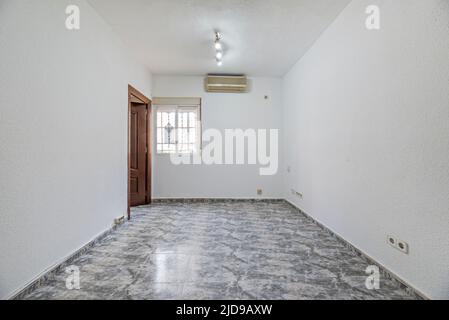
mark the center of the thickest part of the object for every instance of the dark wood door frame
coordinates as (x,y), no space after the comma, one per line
(134,96)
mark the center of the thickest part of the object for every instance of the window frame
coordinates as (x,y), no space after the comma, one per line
(177,109)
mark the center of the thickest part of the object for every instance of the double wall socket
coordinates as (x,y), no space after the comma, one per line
(398,244)
(118,221)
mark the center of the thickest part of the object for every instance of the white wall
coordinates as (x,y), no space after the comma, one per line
(220,111)
(63,134)
(366,119)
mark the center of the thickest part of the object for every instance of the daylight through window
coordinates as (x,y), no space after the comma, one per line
(178,129)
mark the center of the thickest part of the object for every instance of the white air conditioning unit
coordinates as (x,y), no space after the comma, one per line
(226,83)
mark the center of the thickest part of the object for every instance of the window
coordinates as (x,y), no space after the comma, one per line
(178,129)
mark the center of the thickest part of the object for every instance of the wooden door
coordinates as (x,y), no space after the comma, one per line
(139,149)
(138,154)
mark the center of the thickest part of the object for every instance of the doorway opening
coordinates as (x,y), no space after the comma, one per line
(139,149)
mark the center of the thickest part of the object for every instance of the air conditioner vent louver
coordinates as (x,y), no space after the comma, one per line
(226,84)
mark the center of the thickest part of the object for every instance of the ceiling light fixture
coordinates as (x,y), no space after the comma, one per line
(219,49)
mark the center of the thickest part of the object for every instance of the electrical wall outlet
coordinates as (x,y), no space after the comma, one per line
(296,193)
(402,246)
(398,244)
(119,221)
(391,241)
(259,192)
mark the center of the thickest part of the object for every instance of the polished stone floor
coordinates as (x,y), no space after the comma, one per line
(221,250)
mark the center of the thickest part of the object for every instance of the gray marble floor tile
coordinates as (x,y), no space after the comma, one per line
(219,250)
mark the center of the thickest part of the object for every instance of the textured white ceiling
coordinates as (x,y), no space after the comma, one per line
(261,37)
